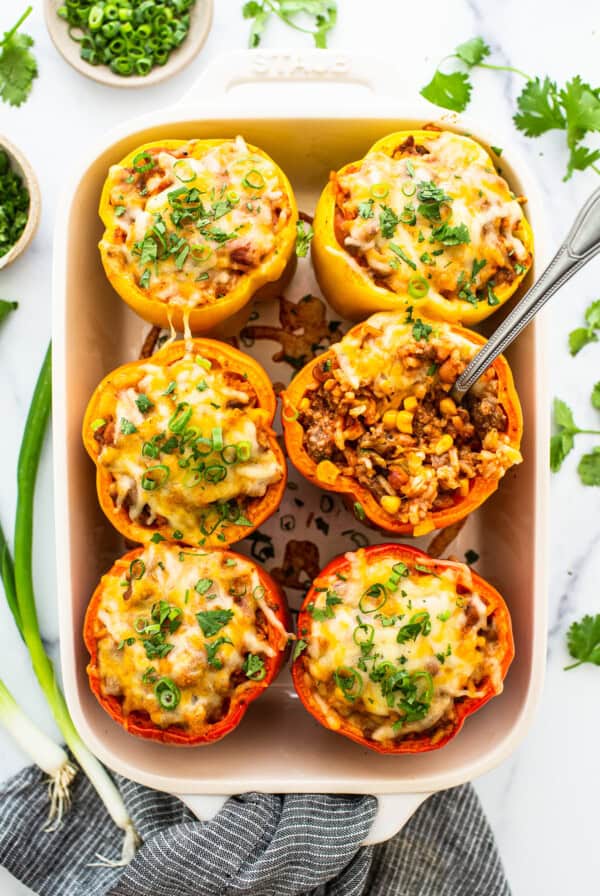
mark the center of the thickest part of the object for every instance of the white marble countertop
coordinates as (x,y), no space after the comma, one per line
(542,802)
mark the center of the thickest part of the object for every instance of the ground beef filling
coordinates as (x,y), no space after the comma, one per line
(423,458)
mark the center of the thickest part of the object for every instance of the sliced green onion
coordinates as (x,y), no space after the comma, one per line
(167,693)
(97,423)
(418,287)
(408,189)
(200,251)
(349,681)
(160,474)
(143,161)
(137,568)
(369,631)
(244,451)
(254,180)
(379,191)
(229,454)
(215,473)
(203,362)
(217,438)
(374,593)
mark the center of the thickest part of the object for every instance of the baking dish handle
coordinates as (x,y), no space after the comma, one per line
(393,812)
(229,70)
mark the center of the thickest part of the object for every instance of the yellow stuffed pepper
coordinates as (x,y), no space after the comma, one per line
(195,228)
(423,220)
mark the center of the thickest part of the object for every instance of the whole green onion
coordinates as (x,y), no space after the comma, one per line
(23,599)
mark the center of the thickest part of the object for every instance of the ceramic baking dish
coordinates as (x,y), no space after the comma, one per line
(309,128)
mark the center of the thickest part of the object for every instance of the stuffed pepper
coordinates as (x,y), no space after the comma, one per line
(183,445)
(396,649)
(423,220)
(194,228)
(181,642)
(373,418)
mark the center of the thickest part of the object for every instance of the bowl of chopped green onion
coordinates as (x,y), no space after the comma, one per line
(128,43)
(19,202)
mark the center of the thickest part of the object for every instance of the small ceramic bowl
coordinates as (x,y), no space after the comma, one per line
(200,22)
(19,163)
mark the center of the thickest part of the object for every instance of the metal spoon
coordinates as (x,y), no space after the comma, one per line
(581,244)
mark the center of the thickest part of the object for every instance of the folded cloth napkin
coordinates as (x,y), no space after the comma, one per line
(257,845)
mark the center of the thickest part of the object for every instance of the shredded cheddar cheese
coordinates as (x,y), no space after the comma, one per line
(187,448)
(197,622)
(392,647)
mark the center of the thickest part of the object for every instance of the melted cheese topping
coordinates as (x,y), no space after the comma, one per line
(211,645)
(188,448)
(391,648)
(406,235)
(189,223)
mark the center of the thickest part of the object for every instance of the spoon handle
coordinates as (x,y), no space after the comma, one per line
(581,244)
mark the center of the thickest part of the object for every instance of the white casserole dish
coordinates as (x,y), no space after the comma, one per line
(279,747)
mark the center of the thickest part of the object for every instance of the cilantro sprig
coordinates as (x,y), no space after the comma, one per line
(562,442)
(542,104)
(322,12)
(582,336)
(18,66)
(583,641)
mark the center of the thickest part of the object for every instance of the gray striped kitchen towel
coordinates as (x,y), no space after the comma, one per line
(257,845)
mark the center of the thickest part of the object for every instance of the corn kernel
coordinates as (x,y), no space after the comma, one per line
(410,403)
(304,405)
(326,471)
(463,486)
(447,407)
(490,442)
(414,463)
(389,419)
(404,420)
(443,444)
(391,503)
(329,384)
(423,528)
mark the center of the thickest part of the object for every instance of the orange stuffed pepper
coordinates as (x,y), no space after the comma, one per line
(184,447)
(397,649)
(425,220)
(195,228)
(181,643)
(373,419)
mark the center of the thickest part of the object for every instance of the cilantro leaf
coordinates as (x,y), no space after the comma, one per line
(212,621)
(562,442)
(18,66)
(583,641)
(388,221)
(451,236)
(450,91)
(473,51)
(254,667)
(589,467)
(304,235)
(211,651)
(595,396)
(299,648)
(539,108)
(582,336)
(563,415)
(580,158)
(592,315)
(579,338)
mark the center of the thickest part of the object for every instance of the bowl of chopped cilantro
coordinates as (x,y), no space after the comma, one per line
(128,43)
(19,202)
